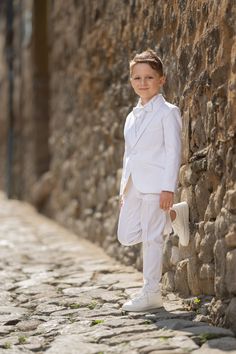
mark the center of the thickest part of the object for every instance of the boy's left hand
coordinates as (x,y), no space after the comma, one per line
(166,200)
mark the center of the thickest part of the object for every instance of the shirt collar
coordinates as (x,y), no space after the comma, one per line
(148,107)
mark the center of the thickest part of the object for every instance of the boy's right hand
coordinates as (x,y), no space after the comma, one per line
(166,200)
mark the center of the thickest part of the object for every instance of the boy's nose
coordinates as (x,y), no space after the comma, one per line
(143,81)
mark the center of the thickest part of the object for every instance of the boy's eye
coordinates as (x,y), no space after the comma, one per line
(146,78)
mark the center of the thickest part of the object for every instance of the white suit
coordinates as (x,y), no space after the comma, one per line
(150,165)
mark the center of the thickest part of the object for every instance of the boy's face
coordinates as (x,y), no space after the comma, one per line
(146,81)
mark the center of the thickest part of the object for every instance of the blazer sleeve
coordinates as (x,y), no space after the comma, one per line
(172,125)
(124,156)
(123,172)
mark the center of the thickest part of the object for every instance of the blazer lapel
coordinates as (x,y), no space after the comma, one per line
(130,131)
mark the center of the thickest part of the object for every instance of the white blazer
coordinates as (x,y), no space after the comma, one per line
(152,156)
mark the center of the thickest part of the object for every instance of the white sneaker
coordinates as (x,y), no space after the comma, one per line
(143,302)
(181,223)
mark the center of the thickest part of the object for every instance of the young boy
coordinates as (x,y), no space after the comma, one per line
(150,171)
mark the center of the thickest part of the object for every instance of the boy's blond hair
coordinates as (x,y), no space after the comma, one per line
(150,57)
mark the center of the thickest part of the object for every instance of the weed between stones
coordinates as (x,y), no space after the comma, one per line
(163,338)
(75,306)
(197,301)
(92,305)
(95,322)
(207,336)
(7,345)
(22,339)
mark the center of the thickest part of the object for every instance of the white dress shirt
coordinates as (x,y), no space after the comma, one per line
(140,112)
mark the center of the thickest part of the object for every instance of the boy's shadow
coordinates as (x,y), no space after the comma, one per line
(179,321)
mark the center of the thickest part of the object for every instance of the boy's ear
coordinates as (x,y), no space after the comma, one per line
(163,79)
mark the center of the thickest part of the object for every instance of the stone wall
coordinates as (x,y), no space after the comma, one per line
(90,44)
(4,95)
(24,100)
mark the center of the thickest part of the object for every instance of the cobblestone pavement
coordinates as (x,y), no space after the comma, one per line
(61,294)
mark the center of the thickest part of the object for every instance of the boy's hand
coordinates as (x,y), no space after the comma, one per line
(166,200)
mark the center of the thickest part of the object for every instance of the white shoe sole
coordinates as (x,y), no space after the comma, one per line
(138,309)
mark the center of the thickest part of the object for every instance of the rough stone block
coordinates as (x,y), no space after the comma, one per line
(181,280)
(187,176)
(193,276)
(202,195)
(167,255)
(174,255)
(230,239)
(231,314)
(168,281)
(220,267)
(207,271)
(221,225)
(230,201)
(223,344)
(206,254)
(231,271)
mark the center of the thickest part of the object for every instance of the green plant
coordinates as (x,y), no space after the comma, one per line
(59,290)
(22,339)
(7,345)
(72,320)
(197,301)
(75,306)
(207,336)
(92,305)
(163,338)
(95,322)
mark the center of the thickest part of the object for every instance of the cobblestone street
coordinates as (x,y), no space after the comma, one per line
(62,294)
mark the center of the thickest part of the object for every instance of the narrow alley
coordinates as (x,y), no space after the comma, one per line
(62,294)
